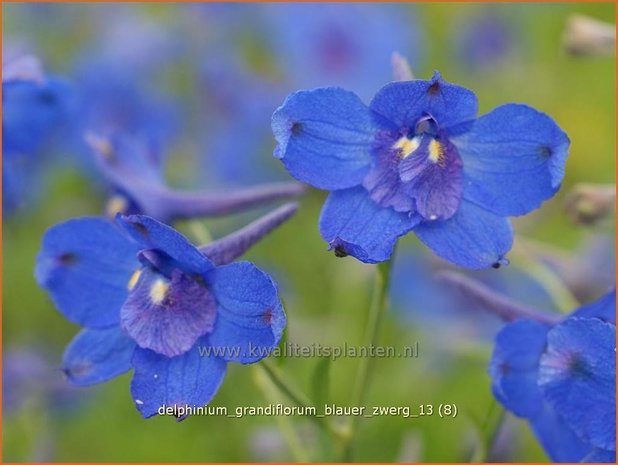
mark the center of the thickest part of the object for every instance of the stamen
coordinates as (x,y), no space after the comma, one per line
(116,204)
(158,291)
(407,146)
(100,145)
(436,152)
(134,278)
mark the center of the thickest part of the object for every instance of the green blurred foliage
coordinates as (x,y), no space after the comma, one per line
(326,298)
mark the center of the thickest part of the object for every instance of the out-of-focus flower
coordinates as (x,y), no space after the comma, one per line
(34,106)
(121,75)
(134,170)
(483,41)
(275,49)
(417,159)
(420,294)
(561,377)
(28,374)
(151,301)
(591,203)
(236,107)
(346,45)
(587,271)
(113,100)
(588,36)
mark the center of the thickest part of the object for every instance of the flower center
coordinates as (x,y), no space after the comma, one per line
(435,150)
(417,171)
(167,314)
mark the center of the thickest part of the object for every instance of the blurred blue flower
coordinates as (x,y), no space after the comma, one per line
(417,159)
(257,54)
(115,98)
(346,45)
(122,73)
(34,107)
(484,41)
(419,295)
(151,301)
(29,377)
(562,378)
(237,104)
(134,169)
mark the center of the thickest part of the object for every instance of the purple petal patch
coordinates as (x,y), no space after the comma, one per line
(433,177)
(167,315)
(419,173)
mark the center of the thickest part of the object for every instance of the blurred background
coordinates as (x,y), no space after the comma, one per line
(197,83)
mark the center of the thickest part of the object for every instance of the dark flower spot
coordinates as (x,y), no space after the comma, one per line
(77,370)
(545,151)
(434,88)
(296,128)
(141,229)
(67,259)
(496,265)
(578,366)
(504,368)
(268,316)
(340,252)
(47,98)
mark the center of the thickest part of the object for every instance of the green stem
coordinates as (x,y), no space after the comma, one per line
(288,432)
(376,311)
(555,287)
(199,231)
(278,380)
(299,399)
(491,428)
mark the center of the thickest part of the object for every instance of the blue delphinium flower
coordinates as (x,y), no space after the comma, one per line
(417,159)
(33,106)
(134,169)
(151,301)
(561,377)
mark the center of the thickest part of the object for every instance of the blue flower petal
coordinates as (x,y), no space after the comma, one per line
(558,440)
(404,103)
(86,264)
(324,137)
(514,366)
(250,316)
(473,238)
(603,308)
(600,456)
(134,168)
(513,159)
(129,163)
(577,376)
(152,234)
(165,314)
(187,380)
(353,224)
(97,355)
(30,112)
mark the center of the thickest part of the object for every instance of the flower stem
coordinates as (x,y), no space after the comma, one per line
(558,291)
(376,311)
(270,391)
(298,398)
(489,433)
(199,231)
